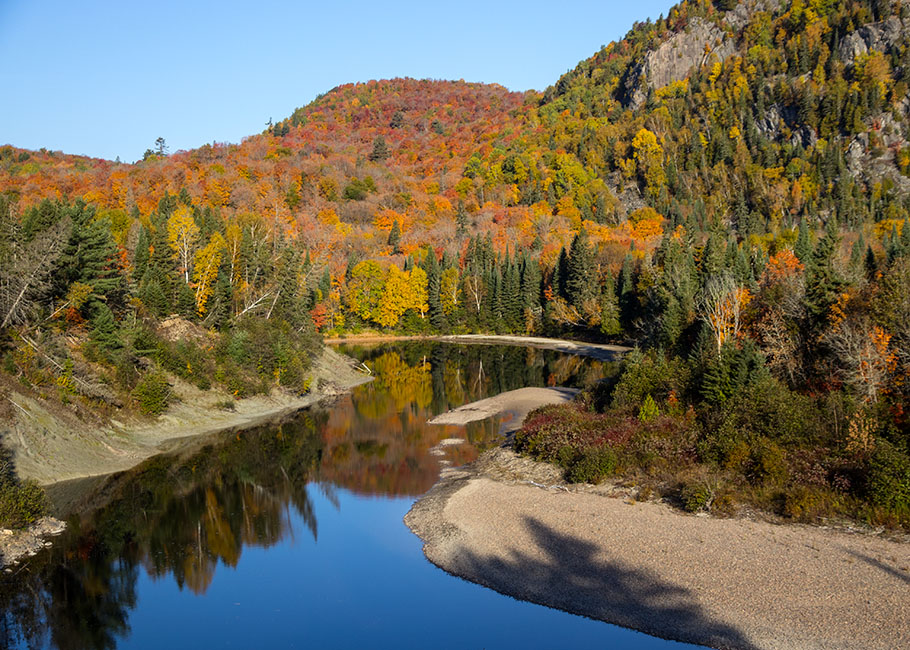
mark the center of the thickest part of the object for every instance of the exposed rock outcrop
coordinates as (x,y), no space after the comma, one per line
(878,37)
(674,59)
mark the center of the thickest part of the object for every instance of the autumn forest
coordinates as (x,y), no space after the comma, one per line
(726,189)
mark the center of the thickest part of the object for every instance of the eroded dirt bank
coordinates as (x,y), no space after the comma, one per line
(50,447)
(70,457)
(510,524)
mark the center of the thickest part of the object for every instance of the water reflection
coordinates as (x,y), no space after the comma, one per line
(181,516)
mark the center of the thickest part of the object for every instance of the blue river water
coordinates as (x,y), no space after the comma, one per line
(291,536)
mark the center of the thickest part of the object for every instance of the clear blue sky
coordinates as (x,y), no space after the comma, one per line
(105,78)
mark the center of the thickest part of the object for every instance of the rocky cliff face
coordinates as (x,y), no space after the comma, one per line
(880,37)
(674,59)
(701,43)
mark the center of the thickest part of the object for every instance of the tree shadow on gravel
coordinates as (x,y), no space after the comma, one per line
(878,564)
(573,579)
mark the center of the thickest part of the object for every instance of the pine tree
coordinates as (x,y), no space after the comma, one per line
(609,309)
(803,247)
(823,283)
(104,329)
(581,285)
(380,150)
(434,306)
(89,256)
(461,221)
(395,238)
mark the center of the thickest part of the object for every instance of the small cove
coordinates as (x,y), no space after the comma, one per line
(291,535)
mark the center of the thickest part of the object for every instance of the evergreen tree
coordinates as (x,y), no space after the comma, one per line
(461,221)
(153,296)
(186,301)
(220,309)
(823,283)
(561,275)
(287,303)
(89,256)
(871,264)
(104,329)
(609,309)
(627,293)
(803,247)
(395,238)
(141,256)
(581,283)
(434,306)
(380,149)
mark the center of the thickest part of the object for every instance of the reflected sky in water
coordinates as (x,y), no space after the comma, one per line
(292,535)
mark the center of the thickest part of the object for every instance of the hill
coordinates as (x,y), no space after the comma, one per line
(726,186)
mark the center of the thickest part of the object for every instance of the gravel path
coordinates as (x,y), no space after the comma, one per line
(726,583)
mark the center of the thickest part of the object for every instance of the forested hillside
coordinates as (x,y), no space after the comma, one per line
(727,187)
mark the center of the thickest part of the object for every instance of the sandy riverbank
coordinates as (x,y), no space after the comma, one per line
(510,524)
(517,403)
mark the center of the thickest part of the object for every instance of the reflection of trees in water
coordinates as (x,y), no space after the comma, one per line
(378,440)
(177,516)
(185,515)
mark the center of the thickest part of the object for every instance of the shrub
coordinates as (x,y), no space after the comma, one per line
(648,411)
(697,496)
(649,374)
(803,503)
(766,464)
(592,466)
(153,393)
(888,479)
(549,430)
(21,504)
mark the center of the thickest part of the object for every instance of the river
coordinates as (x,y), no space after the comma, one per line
(291,535)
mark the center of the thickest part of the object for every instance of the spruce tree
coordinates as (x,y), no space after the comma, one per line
(287,306)
(461,221)
(380,150)
(609,309)
(823,283)
(104,329)
(431,267)
(581,285)
(561,275)
(803,247)
(141,256)
(395,238)
(627,293)
(186,301)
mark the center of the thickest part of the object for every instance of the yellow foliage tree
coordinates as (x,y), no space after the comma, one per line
(396,298)
(182,237)
(205,270)
(648,156)
(449,290)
